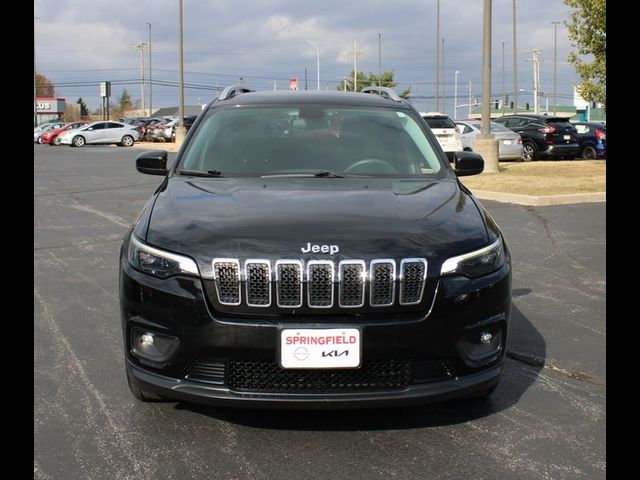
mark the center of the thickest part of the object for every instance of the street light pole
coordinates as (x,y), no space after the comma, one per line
(504,91)
(316,45)
(140,46)
(455,96)
(150,75)
(437,92)
(555,65)
(485,143)
(444,83)
(35,88)
(180,130)
(515,63)
(379,59)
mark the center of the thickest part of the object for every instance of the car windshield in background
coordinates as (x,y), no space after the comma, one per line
(282,140)
(440,122)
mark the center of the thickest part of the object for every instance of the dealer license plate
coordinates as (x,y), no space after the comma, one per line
(567,137)
(506,142)
(320,348)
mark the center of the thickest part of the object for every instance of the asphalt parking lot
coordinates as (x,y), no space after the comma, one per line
(546,420)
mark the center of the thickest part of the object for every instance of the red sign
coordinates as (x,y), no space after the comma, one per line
(293,84)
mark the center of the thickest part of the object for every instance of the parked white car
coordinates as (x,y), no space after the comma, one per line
(509,142)
(445,131)
(101,132)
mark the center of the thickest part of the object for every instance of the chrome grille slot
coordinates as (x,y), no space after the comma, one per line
(258,282)
(413,272)
(289,283)
(351,278)
(226,275)
(320,283)
(382,279)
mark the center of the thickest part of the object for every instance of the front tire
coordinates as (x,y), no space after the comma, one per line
(40,140)
(127,141)
(78,141)
(56,141)
(589,153)
(529,152)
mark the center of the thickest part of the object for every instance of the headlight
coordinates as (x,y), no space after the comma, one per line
(476,264)
(157,262)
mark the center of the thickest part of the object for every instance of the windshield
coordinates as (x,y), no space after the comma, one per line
(312,139)
(440,122)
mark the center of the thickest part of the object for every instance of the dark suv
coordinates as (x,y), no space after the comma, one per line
(313,250)
(543,136)
(593,139)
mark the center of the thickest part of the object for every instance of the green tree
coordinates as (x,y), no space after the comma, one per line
(588,33)
(125,103)
(371,79)
(84,111)
(44,87)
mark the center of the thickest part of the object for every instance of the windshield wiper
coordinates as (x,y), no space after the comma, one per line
(319,174)
(199,173)
(327,174)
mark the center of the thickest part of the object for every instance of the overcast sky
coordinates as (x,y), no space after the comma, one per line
(80,43)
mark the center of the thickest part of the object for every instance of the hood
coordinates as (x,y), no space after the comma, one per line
(277,218)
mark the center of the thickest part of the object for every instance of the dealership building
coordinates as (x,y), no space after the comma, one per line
(49,109)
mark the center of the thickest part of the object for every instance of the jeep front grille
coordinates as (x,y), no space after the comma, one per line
(289,283)
(226,274)
(318,277)
(320,283)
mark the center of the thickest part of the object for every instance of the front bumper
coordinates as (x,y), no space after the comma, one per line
(194,392)
(179,307)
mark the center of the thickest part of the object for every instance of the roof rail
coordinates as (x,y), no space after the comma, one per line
(233,90)
(390,93)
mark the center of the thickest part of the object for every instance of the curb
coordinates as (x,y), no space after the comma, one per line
(543,200)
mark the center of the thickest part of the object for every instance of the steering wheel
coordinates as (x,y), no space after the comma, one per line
(387,167)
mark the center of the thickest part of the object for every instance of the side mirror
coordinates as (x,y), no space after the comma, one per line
(468,163)
(152,162)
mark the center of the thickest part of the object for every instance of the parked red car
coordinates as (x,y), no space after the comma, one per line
(51,137)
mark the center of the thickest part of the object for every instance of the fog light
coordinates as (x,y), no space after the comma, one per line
(480,347)
(485,337)
(152,346)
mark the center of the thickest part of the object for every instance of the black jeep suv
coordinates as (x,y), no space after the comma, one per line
(313,250)
(543,136)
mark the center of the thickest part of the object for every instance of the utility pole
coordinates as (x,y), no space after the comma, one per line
(469,99)
(355,65)
(444,83)
(35,88)
(515,63)
(535,60)
(455,96)
(180,130)
(485,143)
(437,92)
(555,66)
(306,85)
(504,91)
(379,59)
(316,45)
(150,74)
(141,46)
